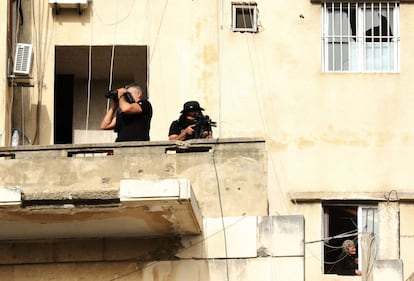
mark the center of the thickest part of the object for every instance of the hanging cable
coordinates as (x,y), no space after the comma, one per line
(220,22)
(221,211)
(19,3)
(342,235)
(111,70)
(256,91)
(158,31)
(88,103)
(9,106)
(42,53)
(205,239)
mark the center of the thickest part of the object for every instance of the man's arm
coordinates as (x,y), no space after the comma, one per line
(176,134)
(109,120)
(184,133)
(125,106)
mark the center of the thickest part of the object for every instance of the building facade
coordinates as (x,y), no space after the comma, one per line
(326,85)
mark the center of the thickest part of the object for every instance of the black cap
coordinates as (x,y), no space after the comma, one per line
(191,106)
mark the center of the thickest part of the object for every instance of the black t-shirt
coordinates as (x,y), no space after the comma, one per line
(178,125)
(182,123)
(134,127)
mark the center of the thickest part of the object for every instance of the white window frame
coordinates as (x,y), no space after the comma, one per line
(360,52)
(367,223)
(241,24)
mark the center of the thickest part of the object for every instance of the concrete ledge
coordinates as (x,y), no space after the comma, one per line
(146,208)
(131,190)
(10,195)
(318,196)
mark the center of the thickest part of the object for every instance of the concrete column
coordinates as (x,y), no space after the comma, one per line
(389,231)
(390,270)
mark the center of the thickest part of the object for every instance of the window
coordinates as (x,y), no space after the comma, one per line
(244,17)
(83,74)
(347,221)
(360,37)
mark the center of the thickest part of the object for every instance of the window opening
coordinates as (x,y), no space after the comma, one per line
(346,222)
(72,76)
(244,17)
(360,37)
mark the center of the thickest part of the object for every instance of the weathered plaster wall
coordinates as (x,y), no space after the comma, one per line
(406,238)
(312,121)
(5,130)
(228,179)
(239,248)
(323,131)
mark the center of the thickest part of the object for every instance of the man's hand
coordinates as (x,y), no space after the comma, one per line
(207,135)
(189,130)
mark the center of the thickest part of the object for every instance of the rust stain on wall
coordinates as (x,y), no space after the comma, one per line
(209,54)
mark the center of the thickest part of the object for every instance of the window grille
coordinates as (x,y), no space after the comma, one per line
(360,37)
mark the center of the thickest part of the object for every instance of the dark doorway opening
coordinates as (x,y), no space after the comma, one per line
(63,109)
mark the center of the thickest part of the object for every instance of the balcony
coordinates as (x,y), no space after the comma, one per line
(134,189)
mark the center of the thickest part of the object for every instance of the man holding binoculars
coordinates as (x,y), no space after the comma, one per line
(129,114)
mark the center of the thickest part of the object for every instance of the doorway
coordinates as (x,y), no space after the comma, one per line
(84,74)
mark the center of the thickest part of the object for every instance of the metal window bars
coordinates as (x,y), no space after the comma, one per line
(360,37)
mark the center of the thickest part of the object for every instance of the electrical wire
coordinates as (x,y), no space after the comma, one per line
(220,23)
(158,31)
(339,236)
(116,21)
(221,210)
(185,248)
(42,54)
(224,230)
(259,101)
(9,108)
(88,102)
(111,70)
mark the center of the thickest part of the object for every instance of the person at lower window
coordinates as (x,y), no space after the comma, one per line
(129,114)
(191,124)
(347,263)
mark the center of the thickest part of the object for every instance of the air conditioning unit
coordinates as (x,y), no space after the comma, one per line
(23,59)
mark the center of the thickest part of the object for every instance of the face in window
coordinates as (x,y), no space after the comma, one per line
(352,250)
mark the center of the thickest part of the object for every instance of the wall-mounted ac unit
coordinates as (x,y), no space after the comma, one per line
(23,59)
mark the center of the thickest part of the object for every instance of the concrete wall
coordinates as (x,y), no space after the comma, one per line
(232,248)
(406,239)
(325,132)
(5,129)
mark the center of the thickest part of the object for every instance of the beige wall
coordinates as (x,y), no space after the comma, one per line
(324,131)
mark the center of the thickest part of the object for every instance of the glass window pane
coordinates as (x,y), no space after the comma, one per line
(370,26)
(244,18)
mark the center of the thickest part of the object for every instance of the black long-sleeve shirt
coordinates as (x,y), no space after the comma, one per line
(346,264)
